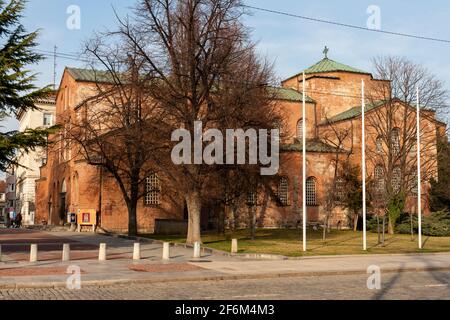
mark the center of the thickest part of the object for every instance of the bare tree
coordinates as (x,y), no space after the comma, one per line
(207,71)
(391,122)
(118,127)
(337,136)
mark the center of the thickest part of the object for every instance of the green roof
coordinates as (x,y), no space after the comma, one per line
(289,94)
(328,65)
(352,113)
(314,145)
(90,75)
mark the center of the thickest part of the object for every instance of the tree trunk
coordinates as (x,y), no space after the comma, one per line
(132,218)
(194,206)
(234,211)
(390,226)
(221,220)
(325,224)
(252,215)
(355,221)
(378,229)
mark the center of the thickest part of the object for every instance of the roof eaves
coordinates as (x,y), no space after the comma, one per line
(312,146)
(352,113)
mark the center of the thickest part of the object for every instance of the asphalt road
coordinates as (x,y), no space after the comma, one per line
(408,285)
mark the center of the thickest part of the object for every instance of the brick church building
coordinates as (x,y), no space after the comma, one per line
(333,103)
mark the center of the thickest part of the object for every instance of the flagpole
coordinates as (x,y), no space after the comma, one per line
(363,164)
(419,180)
(304,161)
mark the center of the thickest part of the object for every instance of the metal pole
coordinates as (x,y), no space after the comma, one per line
(419,182)
(304,162)
(363,165)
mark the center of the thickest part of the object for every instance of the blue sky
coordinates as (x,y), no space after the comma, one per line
(292,43)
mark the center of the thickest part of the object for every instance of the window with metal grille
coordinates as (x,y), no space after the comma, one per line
(300,130)
(413,149)
(311,197)
(379,179)
(340,189)
(153,188)
(379,145)
(395,141)
(414,185)
(278,127)
(251,198)
(396,179)
(283,191)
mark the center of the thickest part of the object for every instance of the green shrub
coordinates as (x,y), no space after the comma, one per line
(395,209)
(437,224)
(372,224)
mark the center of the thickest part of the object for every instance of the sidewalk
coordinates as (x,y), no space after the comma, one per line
(120,268)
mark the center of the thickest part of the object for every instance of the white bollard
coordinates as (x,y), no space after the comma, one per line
(34,253)
(166,251)
(102,252)
(197,250)
(234,246)
(66,252)
(137,251)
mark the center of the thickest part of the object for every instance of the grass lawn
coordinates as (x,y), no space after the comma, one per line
(288,242)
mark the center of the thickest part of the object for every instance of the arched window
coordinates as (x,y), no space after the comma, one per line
(76,190)
(251,198)
(300,130)
(63,187)
(283,191)
(340,189)
(311,196)
(379,145)
(396,179)
(153,189)
(277,126)
(414,185)
(413,149)
(395,141)
(379,179)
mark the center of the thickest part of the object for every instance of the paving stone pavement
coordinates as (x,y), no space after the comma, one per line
(152,269)
(410,286)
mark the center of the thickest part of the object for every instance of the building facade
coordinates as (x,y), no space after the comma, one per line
(10,191)
(3,218)
(333,103)
(28,171)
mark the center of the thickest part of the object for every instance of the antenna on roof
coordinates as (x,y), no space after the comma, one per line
(54,67)
(325,52)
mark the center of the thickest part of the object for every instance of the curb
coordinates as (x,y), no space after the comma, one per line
(261,256)
(252,256)
(55,285)
(180,245)
(268,256)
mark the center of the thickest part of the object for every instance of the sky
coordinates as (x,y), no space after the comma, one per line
(293,44)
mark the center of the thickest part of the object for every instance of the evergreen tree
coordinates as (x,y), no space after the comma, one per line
(17,89)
